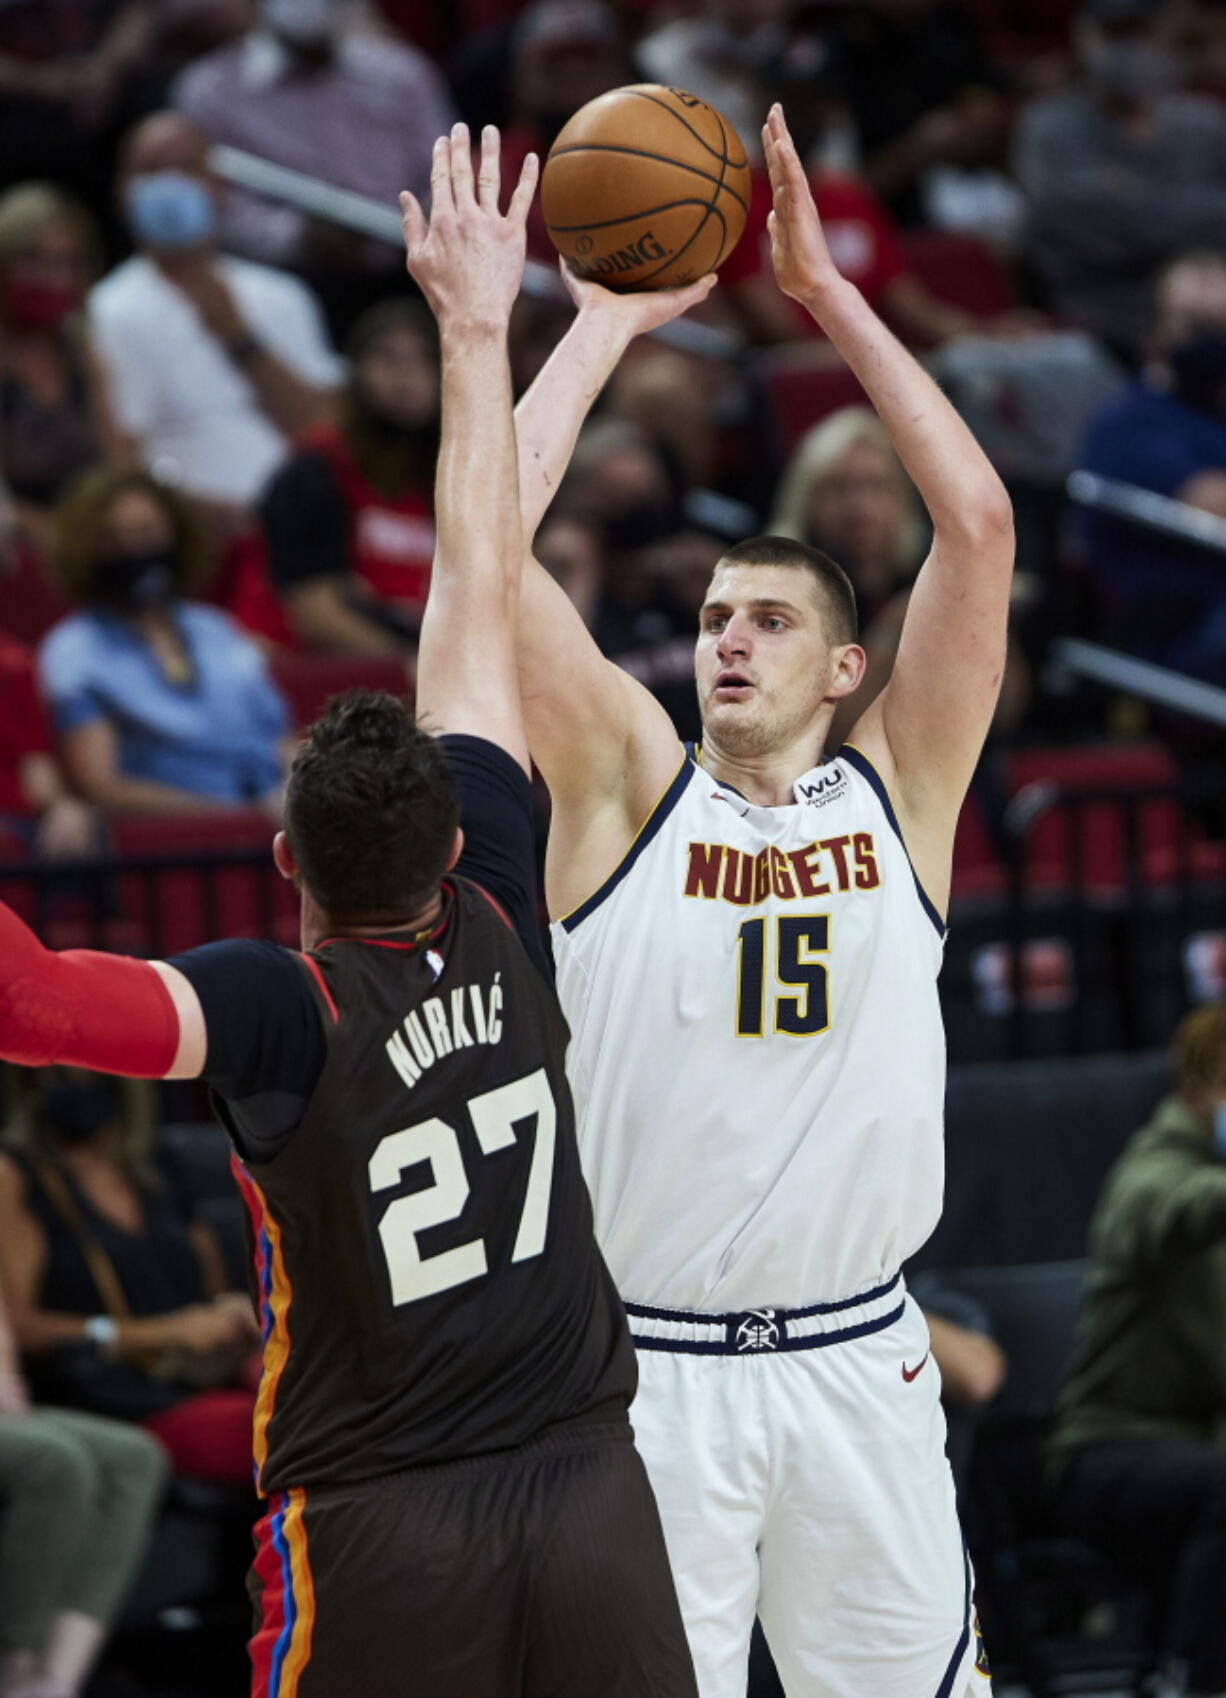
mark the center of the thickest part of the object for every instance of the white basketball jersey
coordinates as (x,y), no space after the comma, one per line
(757,1053)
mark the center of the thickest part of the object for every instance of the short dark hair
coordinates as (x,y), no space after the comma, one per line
(370,810)
(834,586)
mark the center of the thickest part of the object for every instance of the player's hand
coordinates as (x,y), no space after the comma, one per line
(468,260)
(639,311)
(803,266)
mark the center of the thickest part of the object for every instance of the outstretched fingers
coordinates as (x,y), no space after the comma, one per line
(412,222)
(489,173)
(442,201)
(461,167)
(521,200)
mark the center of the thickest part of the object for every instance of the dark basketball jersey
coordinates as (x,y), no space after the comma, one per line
(428,1282)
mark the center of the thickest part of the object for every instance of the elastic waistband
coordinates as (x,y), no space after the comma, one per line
(756,1332)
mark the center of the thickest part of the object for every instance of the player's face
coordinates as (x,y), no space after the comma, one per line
(764,662)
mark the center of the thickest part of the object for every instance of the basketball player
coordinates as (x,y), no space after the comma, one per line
(455,1505)
(748,938)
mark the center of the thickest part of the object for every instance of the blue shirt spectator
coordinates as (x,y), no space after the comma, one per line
(159,705)
(217,735)
(1161,598)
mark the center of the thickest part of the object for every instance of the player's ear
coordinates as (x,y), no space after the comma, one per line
(850,661)
(457,849)
(283,857)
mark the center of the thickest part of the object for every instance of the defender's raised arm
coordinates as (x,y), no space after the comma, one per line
(468,262)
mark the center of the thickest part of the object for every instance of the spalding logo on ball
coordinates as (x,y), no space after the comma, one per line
(645,188)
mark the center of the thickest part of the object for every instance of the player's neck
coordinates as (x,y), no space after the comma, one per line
(765,779)
(316,925)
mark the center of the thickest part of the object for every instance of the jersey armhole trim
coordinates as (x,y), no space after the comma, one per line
(650,826)
(859,760)
(317,973)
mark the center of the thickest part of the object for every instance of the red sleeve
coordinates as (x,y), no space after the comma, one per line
(81,1008)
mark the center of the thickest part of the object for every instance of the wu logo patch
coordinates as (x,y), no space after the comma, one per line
(823,790)
(758,1331)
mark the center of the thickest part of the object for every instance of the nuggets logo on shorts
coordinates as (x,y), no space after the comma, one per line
(758,1331)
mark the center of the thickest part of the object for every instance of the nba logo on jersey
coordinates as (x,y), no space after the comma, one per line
(435,962)
(758,1331)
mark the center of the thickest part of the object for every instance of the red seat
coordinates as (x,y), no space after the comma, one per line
(959,269)
(177,907)
(803,395)
(1089,843)
(310,680)
(30,601)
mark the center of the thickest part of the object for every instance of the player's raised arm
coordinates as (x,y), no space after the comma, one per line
(930,721)
(468,261)
(604,744)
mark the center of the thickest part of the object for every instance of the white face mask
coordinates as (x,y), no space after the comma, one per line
(309,22)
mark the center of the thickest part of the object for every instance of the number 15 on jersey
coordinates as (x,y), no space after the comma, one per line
(791,947)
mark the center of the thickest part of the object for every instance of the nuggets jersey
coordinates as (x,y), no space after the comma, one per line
(757,1053)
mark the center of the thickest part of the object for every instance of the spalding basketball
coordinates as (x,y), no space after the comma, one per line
(645,188)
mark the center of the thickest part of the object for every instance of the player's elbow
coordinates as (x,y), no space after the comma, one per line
(990,516)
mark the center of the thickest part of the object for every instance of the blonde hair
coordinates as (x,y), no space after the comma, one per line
(1199,1047)
(27,210)
(815,457)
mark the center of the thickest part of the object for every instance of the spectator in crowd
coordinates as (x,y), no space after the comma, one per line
(304,89)
(720,54)
(559,54)
(117,1300)
(159,704)
(922,92)
(348,520)
(568,546)
(49,425)
(1161,598)
(1121,173)
(862,235)
(35,802)
(1139,1447)
(68,75)
(79,1497)
(845,491)
(210,364)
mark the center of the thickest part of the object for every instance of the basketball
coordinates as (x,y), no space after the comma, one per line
(645,188)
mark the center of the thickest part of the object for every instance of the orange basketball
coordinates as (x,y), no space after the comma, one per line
(645,188)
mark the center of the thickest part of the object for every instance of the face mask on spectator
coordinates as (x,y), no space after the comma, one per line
(1130,69)
(1198,369)
(38,306)
(76,1110)
(304,23)
(136,582)
(169,210)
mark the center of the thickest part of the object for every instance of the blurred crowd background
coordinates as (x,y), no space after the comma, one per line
(219,403)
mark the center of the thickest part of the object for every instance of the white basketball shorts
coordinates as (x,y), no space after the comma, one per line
(798,1458)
